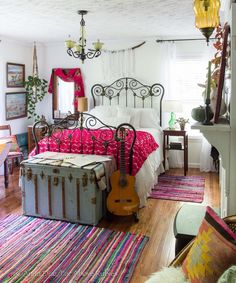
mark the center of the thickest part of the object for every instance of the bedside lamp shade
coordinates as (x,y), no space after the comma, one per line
(82,104)
(172,106)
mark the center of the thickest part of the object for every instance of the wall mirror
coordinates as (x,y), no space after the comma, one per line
(63,97)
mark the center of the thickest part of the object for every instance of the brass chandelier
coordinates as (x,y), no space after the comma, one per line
(77,49)
(207,16)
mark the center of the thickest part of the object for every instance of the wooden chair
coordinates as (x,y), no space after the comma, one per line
(14,154)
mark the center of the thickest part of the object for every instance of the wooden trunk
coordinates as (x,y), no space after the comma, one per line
(63,193)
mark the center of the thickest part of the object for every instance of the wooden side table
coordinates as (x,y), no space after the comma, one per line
(184,147)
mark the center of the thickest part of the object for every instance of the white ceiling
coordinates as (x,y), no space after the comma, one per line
(53,20)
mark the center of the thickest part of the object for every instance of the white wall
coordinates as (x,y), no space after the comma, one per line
(56,57)
(147,69)
(13,52)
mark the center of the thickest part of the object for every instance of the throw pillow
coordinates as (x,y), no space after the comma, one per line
(133,113)
(213,251)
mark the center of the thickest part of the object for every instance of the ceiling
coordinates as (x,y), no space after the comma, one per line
(48,21)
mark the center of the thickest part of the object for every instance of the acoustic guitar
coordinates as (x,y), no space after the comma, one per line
(123,199)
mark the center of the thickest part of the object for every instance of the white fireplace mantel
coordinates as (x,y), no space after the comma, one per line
(218,135)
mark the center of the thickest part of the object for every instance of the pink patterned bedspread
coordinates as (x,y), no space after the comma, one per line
(70,142)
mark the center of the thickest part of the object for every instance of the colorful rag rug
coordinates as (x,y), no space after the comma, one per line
(181,188)
(40,250)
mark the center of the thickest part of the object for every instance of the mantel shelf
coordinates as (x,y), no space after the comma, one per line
(218,135)
(213,128)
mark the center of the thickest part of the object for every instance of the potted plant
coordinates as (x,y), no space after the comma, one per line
(36,90)
(182,122)
(218,45)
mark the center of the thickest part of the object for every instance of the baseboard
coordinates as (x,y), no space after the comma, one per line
(194,165)
(190,165)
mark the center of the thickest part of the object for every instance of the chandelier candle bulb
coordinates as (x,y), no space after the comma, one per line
(78,48)
(98,45)
(70,43)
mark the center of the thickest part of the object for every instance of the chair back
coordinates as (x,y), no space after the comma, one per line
(6,128)
(179,259)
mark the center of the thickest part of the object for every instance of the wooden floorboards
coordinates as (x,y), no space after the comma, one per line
(156,221)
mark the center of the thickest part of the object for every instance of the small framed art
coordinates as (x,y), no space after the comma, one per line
(16,105)
(15,75)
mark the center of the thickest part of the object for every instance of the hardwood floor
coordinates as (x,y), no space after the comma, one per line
(156,221)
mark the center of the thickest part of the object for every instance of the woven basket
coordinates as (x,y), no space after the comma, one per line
(178,260)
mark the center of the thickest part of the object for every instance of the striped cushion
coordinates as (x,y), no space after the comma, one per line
(213,251)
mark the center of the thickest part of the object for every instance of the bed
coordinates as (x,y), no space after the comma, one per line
(143,103)
(125,105)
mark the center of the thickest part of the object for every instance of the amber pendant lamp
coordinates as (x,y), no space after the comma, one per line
(207,16)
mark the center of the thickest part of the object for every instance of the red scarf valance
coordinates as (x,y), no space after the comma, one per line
(69,75)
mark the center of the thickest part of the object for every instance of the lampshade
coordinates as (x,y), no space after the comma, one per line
(172,106)
(207,16)
(82,104)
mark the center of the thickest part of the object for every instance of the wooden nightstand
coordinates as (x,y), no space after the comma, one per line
(184,145)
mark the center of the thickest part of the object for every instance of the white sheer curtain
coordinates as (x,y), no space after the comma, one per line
(182,66)
(117,64)
(167,59)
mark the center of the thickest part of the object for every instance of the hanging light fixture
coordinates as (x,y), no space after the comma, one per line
(207,16)
(79,47)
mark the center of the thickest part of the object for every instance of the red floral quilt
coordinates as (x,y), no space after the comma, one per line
(77,141)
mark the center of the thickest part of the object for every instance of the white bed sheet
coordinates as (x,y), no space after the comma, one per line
(147,176)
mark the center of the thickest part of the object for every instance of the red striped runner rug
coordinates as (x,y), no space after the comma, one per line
(181,188)
(39,250)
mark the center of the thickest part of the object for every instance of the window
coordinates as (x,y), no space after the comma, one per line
(190,70)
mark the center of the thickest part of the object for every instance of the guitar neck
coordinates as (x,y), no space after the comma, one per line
(122,159)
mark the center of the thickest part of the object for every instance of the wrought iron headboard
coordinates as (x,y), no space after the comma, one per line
(149,96)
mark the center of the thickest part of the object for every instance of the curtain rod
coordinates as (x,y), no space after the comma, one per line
(184,39)
(122,50)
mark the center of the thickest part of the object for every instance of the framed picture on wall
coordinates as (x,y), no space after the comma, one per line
(15,75)
(16,105)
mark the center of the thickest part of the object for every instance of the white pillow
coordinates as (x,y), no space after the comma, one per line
(103,111)
(149,118)
(115,121)
(134,114)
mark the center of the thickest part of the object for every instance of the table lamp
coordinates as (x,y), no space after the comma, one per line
(82,104)
(172,106)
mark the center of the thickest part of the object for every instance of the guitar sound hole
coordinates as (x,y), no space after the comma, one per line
(123,200)
(123,182)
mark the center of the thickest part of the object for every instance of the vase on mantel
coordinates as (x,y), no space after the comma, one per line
(199,114)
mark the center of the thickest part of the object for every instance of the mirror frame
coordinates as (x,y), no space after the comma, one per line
(55,93)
